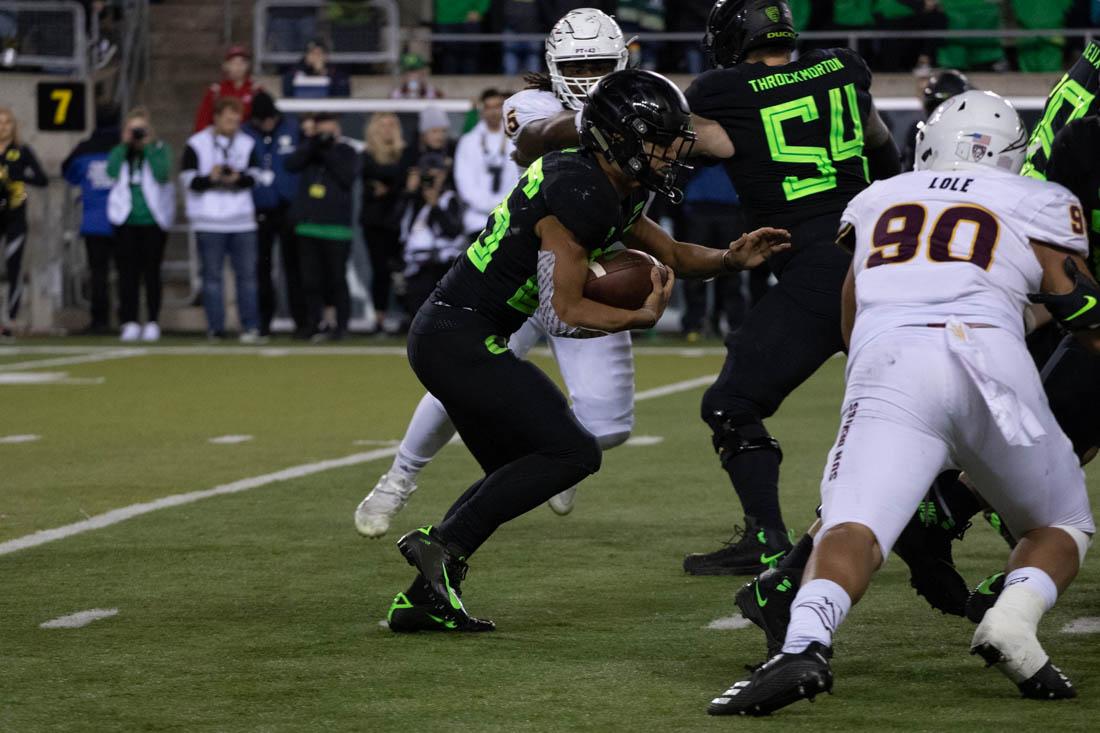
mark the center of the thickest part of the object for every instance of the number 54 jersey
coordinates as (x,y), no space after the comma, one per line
(797,132)
(930,246)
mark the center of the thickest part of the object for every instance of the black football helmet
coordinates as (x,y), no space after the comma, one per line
(735,27)
(631,108)
(943,85)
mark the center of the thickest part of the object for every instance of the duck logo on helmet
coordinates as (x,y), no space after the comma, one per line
(772,13)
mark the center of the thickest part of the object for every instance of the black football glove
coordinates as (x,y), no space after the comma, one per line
(1078,310)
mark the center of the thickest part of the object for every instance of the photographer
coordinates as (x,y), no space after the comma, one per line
(220,167)
(484,169)
(142,207)
(431,227)
(323,212)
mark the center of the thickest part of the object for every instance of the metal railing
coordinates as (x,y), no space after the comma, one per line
(851,37)
(44,33)
(134,62)
(281,29)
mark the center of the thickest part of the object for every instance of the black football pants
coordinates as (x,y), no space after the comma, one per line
(783,340)
(511,416)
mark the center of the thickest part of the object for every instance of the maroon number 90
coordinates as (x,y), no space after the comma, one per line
(893,244)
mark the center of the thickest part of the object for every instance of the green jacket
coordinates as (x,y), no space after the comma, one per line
(452,12)
(159,157)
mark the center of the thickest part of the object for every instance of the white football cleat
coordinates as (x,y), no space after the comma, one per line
(1008,643)
(562,503)
(390,494)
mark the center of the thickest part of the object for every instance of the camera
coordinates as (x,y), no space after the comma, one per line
(138,134)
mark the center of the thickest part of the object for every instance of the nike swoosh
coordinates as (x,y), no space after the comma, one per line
(769,559)
(448,624)
(759,601)
(1085,309)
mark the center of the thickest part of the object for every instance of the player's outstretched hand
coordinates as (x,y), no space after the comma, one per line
(662,293)
(753,248)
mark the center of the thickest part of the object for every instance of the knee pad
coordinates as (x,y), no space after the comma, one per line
(734,435)
(586,455)
(612,440)
(1082,540)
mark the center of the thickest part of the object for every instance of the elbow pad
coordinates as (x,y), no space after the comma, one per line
(1077,310)
(884,161)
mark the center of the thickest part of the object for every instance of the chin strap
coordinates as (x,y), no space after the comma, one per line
(1077,310)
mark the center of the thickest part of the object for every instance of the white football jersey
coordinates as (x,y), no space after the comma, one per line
(931,245)
(527,106)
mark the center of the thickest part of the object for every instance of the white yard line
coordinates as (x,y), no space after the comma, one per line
(294,472)
(14,439)
(34,379)
(78,619)
(675,387)
(276,351)
(87,358)
(1083,625)
(229,439)
(640,441)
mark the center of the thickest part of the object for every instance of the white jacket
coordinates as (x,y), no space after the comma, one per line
(218,209)
(159,197)
(480,157)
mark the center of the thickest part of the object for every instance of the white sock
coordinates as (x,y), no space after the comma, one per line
(817,611)
(1028,594)
(428,431)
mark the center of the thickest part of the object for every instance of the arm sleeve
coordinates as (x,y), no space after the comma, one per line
(527,106)
(585,205)
(1054,216)
(448,217)
(159,156)
(850,225)
(1070,159)
(205,115)
(114,160)
(189,173)
(298,160)
(35,176)
(705,94)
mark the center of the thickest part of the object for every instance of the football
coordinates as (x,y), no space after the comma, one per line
(620,278)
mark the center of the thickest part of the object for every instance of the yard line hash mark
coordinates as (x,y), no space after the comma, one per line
(1083,625)
(78,619)
(115,516)
(13,439)
(729,623)
(230,439)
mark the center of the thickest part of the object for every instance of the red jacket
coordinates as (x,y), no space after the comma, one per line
(225,88)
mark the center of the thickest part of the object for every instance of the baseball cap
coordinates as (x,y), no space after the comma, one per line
(238,49)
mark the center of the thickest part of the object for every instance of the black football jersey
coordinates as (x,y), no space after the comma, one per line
(797,132)
(497,275)
(1073,163)
(1077,95)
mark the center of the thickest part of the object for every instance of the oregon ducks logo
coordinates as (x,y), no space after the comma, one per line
(772,11)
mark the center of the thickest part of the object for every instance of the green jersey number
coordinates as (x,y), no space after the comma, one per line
(1068,92)
(805,110)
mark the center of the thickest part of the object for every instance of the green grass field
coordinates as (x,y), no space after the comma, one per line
(261,610)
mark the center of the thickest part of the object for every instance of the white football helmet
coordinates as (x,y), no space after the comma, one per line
(584,34)
(971,131)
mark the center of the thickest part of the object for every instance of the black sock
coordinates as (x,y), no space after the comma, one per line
(957,498)
(755,477)
(799,555)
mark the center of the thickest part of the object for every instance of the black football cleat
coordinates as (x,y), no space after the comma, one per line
(782,680)
(984,595)
(750,551)
(1010,645)
(441,569)
(766,601)
(925,546)
(406,616)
